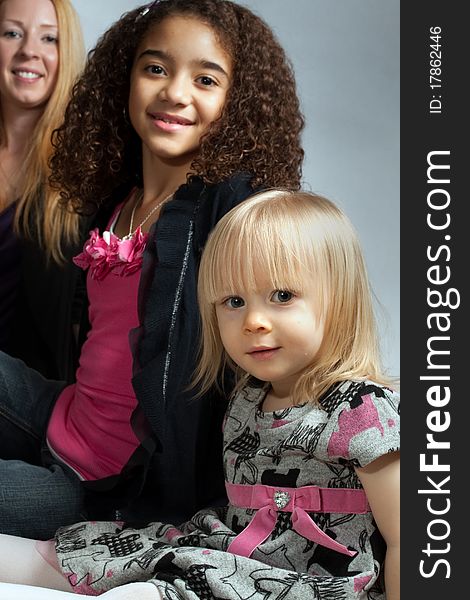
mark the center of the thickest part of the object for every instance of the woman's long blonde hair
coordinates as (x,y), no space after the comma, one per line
(293,238)
(38,211)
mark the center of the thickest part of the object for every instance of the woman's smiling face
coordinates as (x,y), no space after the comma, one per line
(29,56)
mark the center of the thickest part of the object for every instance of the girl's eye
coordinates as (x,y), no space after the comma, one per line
(282,296)
(206,80)
(155,69)
(50,39)
(234,302)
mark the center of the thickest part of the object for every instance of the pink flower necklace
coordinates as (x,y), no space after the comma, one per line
(119,256)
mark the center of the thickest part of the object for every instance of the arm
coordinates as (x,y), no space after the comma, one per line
(381,482)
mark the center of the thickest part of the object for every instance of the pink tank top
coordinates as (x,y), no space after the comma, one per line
(90,427)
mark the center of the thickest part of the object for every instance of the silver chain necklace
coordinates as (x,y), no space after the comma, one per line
(138,200)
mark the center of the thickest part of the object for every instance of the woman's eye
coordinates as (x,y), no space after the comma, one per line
(11,34)
(206,80)
(282,296)
(234,302)
(50,39)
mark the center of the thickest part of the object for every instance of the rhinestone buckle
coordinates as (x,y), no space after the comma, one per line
(281,499)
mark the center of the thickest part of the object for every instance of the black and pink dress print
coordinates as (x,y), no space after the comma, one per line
(337,555)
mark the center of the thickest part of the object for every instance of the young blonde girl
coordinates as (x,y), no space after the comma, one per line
(311,434)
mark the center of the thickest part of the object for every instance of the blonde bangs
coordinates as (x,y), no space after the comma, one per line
(261,241)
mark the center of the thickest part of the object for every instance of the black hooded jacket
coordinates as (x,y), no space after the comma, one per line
(177,469)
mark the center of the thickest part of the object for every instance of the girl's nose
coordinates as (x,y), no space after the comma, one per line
(176,91)
(256,322)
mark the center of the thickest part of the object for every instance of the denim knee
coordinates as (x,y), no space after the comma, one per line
(35,501)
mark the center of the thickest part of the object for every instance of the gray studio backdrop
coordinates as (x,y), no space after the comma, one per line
(346,58)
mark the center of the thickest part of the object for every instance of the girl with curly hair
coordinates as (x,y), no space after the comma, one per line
(311,433)
(41,55)
(184,109)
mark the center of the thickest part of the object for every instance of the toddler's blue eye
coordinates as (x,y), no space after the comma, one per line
(235,302)
(282,296)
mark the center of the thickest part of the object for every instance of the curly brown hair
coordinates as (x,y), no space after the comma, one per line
(258,132)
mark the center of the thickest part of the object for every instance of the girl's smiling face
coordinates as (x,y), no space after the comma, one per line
(179,84)
(29,57)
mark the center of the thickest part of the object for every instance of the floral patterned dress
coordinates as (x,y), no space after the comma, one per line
(278,456)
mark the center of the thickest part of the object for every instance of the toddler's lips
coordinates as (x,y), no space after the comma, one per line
(262,352)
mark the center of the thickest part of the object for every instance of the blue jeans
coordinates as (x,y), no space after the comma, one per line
(37,493)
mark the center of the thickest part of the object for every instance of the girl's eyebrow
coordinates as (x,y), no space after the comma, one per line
(207,64)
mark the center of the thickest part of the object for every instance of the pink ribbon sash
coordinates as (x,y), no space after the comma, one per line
(269,500)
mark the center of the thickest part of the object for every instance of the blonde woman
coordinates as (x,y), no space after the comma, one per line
(41,55)
(311,434)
